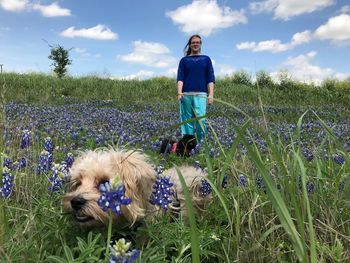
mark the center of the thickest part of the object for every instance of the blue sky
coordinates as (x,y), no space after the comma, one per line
(143,39)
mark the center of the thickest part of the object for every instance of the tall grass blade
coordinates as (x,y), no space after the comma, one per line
(313,256)
(194,231)
(277,202)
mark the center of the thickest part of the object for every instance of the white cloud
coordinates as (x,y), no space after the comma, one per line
(275,45)
(79,50)
(205,16)
(99,32)
(345,9)
(336,29)
(84,53)
(225,70)
(285,9)
(301,69)
(142,74)
(52,10)
(263,6)
(171,73)
(14,5)
(150,54)
(301,38)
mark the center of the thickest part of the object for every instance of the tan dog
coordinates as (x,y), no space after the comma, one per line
(92,168)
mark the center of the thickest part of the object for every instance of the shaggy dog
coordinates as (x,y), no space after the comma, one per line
(92,168)
(182,148)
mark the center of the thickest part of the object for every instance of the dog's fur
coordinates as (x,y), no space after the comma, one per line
(183,147)
(92,168)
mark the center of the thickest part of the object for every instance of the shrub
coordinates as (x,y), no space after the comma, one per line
(264,80)
(242,77)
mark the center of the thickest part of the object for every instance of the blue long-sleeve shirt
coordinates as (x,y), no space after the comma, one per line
(195,72)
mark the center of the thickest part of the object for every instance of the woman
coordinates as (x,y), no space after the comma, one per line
(195,85)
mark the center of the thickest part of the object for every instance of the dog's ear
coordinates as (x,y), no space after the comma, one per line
(138,177)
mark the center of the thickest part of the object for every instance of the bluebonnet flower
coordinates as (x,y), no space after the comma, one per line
(156,145)
(48,145)
(120,252)
(196,149)
(7,162)
(197,165)
(205,188)
(260,184)
(56,179)
(308,154)
(113,196)
(44,162)
(161,196)
(26,139)
(22,163)
(338,158)
(310,187)
(7,183)
(212,152)
(224,182)
(242,180)
(69,160)
(63,169)
(160,169)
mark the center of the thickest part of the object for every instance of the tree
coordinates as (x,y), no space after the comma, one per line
(264,80)
(60,58)
(242,77)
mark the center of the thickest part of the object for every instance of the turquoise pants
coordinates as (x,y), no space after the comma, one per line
(193,106)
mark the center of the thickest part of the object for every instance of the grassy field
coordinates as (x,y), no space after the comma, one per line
(282,151)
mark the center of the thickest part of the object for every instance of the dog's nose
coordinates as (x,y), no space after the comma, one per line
(77,202)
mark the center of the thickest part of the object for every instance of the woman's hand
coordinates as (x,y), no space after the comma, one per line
(210,100)
(179,96)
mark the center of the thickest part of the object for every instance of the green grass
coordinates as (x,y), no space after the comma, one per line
(43,89)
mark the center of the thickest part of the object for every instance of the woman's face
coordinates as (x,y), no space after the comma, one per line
(195,45)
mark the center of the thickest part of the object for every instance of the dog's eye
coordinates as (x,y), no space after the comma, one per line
(74,185)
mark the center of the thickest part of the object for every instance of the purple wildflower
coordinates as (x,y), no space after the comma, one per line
(242,180)
(338,159)
(308,154)
(205,188)
(48,145)
(121,253)
(260,184)
(112,197)
(26,139)
(69,160)
(55,180)
(44,162)
(7,162)
(195,150)
(161,196)
(310,187)
(160,169)
(224,182)
(197,165)
(7,183)
(22,163)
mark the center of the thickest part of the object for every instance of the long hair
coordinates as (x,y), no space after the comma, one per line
(187,49)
